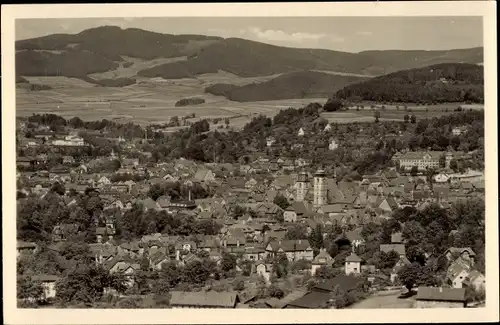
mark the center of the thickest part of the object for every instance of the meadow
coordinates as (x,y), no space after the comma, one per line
(153,101)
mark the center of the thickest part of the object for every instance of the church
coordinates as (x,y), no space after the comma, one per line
(320,190)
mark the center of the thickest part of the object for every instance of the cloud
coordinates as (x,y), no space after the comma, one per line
(282,36)
(365,33)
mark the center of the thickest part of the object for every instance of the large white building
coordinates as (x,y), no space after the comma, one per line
(70,140)
(419,159)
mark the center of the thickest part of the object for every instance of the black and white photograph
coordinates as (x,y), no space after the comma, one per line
(256,162)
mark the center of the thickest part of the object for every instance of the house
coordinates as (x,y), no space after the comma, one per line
(456,274)
(322,259)
(289,215)
(125,266)
(254,253)
(419,159)
(293,249)
(204,176)
(270,141)
(333,144)
(398,248)
(68,160)
(441,178)
(332,209)
(26,161)
(25,247)
(64,231)
(402,262)
(465,253)
(475,280)
(282,303)
(355,238)
(203,299)
(264,270)
(157,259)
(432,297)
(353,264)
(48,283)
(70,141)
(301,132)
(321,294)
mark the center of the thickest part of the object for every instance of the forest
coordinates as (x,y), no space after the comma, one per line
(442,83)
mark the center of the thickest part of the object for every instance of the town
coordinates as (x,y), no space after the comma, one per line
(291,211)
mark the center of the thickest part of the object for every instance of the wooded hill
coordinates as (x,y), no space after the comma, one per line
(302,84)
(447,82)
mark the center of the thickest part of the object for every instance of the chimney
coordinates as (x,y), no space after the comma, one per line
(177,255)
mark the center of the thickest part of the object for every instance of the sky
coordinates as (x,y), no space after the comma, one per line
(350,34)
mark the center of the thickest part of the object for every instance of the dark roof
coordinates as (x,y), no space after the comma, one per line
(397,238)
(45,278)
(353,258)
(441,294)
(23,244)
(311,300)
(204,299)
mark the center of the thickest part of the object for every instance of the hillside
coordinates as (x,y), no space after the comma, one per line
(102,49)
(113,42)
(302,84)
(248,59)
(447,82)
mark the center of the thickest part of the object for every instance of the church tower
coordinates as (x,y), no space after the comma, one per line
(302,186)
(319,188)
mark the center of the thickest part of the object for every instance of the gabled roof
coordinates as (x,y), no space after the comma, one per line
(398,248)
(353,258)
(204,299)
(323,258)
(441,294)
(289,245)
(461,250)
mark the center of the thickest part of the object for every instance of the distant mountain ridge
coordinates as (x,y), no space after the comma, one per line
(102,49)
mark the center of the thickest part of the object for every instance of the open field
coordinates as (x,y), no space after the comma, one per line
(384,300)
(390,113)
(153,100)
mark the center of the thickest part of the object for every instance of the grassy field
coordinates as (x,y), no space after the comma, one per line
(153,100)
(390,113)
(384,300)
